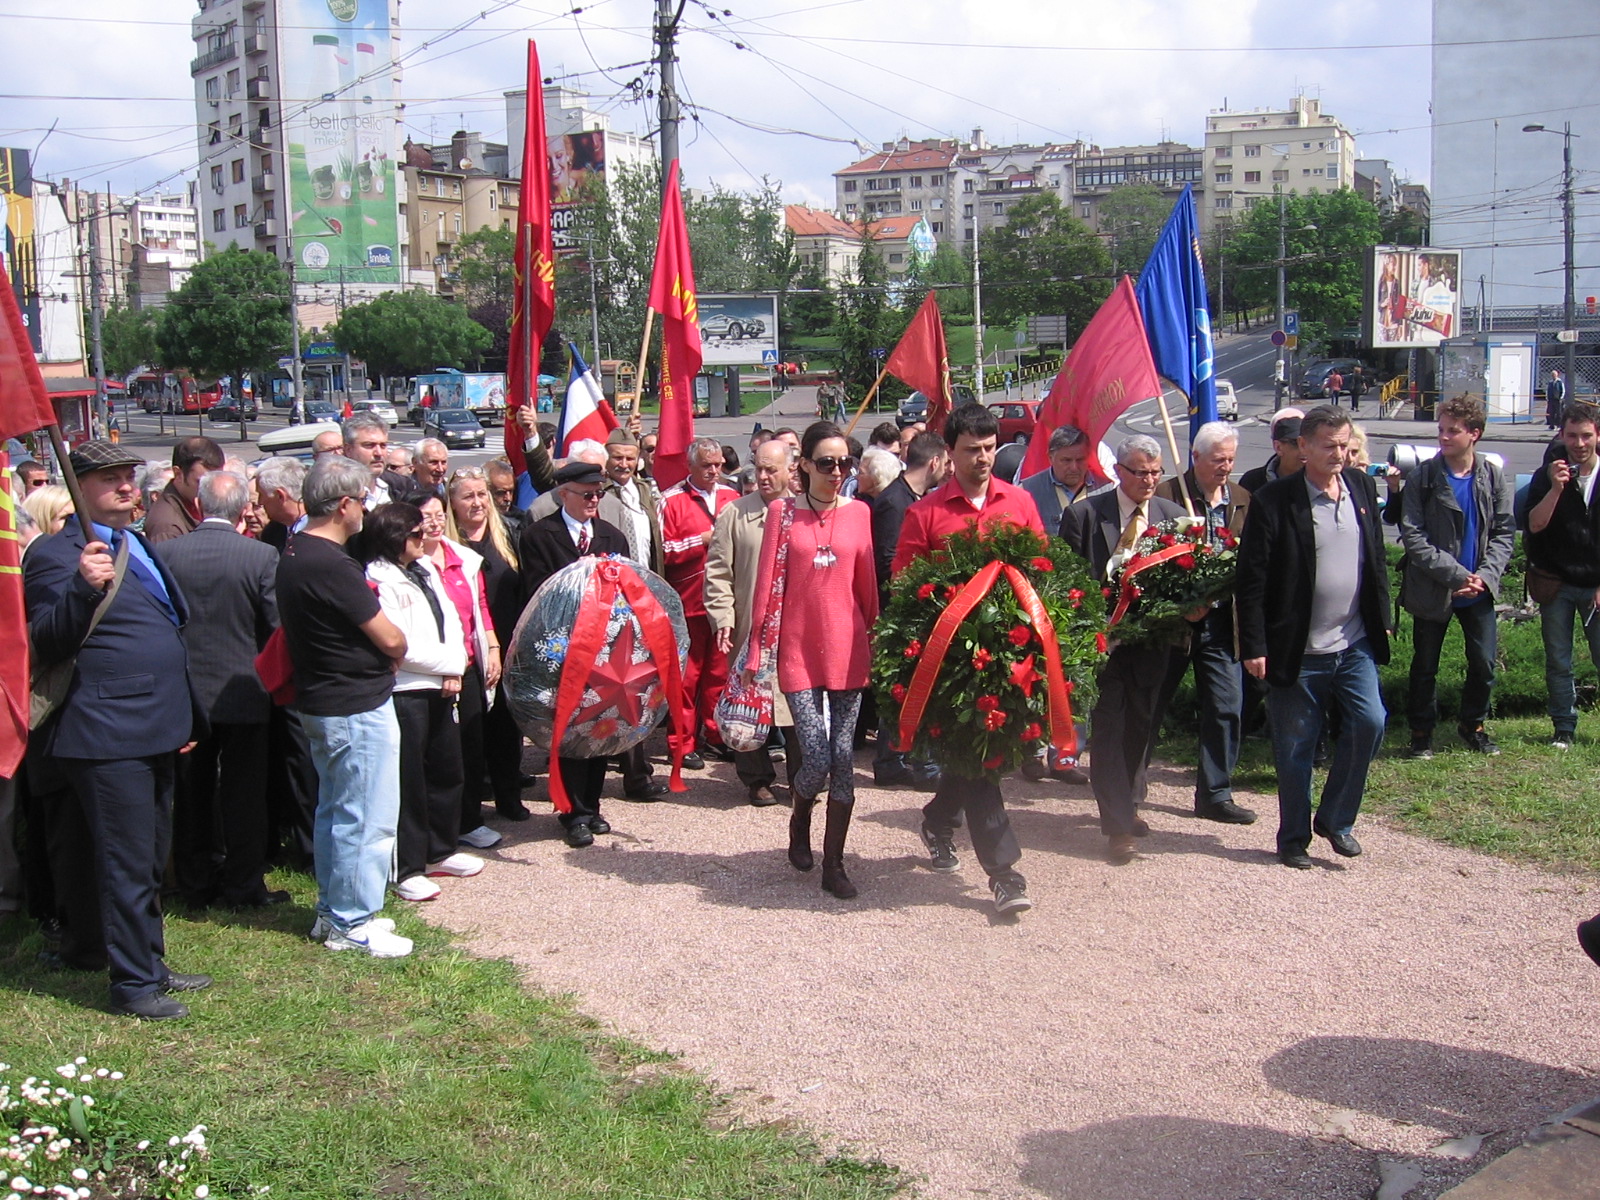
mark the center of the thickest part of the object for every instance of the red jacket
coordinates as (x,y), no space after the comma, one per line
(946,510)
(685,517)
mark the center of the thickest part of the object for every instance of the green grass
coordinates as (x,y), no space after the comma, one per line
(335,1075)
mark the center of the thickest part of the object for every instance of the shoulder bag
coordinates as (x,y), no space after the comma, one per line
(744,711)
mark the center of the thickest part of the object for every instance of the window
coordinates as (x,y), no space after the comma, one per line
(999,208)
(1280,177)
(216,134)
(216,178)
(1223,177)
(1307,171)
(897,258)
(494,197)
(936,204)
(916,181)
(233,83)
(1222,202)
(264,118)
(936,226)
(455,188)
(1252,151)
(850,210)
(1086,211)
(1224,152)
(1316,170)
(916,206)
(238,170)
(505,222)
(266,164)
(425,216)
(849,185)
(968,185)
(241,216)
(935,180)
(1252,201)
(967,233)
(235,125)
(966,210)
(456,221)
(873,184)
(1305,145)
(1333,170)
(1252,176)
(219,220)
(269,210)
(214,88)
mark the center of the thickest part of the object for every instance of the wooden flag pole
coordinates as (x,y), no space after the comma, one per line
(871,392)
(639,370)
(1172,441)
(70,478)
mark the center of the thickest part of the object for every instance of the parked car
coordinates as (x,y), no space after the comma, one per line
(735,328)
(319,412)
(1018,419)
(1227,401)
(914,407)
(291,441)
(382,407)
(1314,380)
(457,428)
(228,410)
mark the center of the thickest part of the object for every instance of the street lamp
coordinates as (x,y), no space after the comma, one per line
(1569,317)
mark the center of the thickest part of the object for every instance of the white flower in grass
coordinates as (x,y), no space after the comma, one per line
(79,1174)
(116,1075)
(201,1192)
(144,1145)
(88,1101)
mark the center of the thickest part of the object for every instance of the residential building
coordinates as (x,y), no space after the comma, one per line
(904,242)
(824,242)
(1377,182)
(143,248)
(453,190)
(1250,156)
(906,178)
(1416,197)
(1167,166)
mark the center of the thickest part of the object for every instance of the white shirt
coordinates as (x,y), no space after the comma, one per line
(638,525)
(578,529)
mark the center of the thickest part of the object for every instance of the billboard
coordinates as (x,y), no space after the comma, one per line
(575,160)
(17,250)
(739,329)
(1413,296)
(340,141)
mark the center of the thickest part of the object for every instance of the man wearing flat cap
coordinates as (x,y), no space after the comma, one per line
(546,545)
(99,599)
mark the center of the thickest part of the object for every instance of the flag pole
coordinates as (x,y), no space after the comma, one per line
(638,375)
(871,392)
(69,477)
(1177,462)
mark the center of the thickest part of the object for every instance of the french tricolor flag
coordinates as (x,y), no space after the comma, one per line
(584,413)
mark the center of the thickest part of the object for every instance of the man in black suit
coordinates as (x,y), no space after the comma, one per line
(221,804)
(1126,718)
(1313,602)
(547,545)
(126,714)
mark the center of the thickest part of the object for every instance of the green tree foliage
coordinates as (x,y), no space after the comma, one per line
(867,320)
(484,263)
(231,316)
(812,306)
(1131,217)
(1043,261)
(1404,226)
(950,271)
(128,339)
(1324,237)
(404,333)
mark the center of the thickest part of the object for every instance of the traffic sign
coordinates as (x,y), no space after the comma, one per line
(769,357)
(880,352)
(1292,341)
(1279,337)
(1291,324)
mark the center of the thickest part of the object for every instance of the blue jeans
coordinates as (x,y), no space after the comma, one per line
(1298,711)
(1555,622)
(358,806)
(1480,638)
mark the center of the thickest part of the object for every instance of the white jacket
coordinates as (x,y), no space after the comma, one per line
(429,659)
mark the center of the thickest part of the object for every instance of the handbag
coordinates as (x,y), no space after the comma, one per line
(744,712)
(275,669)
(1543,586)
(48,686)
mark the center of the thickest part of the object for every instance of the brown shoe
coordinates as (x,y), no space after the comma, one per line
(1121,849)
(763,797)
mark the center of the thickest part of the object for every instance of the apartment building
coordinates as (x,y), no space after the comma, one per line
(1250,156)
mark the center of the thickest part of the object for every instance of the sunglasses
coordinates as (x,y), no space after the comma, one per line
(828,464)
(415,533)
(589,495)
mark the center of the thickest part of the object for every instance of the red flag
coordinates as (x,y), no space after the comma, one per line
(24,403)
(1108,371)
(533,308)
(672,295)
(13,624)
(922,361)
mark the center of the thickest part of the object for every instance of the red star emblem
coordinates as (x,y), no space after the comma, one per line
(1024,676)
(619,682)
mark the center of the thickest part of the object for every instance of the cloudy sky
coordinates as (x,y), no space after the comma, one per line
(809,80)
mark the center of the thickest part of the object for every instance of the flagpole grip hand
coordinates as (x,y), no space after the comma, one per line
(528,419)
(95,565)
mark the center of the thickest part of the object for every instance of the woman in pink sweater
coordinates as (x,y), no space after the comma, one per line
(830,600)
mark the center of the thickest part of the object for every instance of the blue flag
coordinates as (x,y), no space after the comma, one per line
(1177,316)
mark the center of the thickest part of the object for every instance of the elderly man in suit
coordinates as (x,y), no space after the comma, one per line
(126,714)
(546,545)
(231,585)
(1313,603)
(1127,717)
(1213,638)
(731,567)
(1066,480)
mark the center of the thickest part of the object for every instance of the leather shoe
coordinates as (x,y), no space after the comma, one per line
(176,982)
(526,781)
(1141,827)
(1589,938)
(513,812)
(720,753)
(1298,859)
(894,777)
(694,762)
(599,825)
(1076,776)
(1034,769)
(1343,844)
(1120,850)
(762,797)
(152,1006)
(650,792)
(578,835)
(1227,812)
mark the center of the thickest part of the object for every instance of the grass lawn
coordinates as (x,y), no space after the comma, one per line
(335,1075)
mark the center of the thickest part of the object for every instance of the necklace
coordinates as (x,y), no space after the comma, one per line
(824,557)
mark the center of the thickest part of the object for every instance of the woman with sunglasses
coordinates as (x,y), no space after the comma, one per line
(830,600)
(426,684)
(474,522)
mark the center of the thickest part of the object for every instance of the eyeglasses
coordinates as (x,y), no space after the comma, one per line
(828,464)
(433,519)
(1157,473)
(414,535)
(590,495)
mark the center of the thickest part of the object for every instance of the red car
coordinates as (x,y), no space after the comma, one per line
(1018,419)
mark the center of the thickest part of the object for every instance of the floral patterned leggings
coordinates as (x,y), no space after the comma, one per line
(825,757)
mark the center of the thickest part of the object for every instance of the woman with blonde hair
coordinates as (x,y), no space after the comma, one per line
(49,506)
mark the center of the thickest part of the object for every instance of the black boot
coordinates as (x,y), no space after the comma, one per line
(833,877)
(800,857)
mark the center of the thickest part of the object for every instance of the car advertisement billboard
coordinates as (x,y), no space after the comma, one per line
(736,330)
(1413,296)
(340,141)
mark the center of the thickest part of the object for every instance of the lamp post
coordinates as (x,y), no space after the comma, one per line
(1569,316)
(1279,381)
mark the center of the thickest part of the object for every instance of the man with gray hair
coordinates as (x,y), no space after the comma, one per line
(219,816)
(1213,636)
(1127,716)
(689,512)
(366,441)
(278,483)
(430,464)
(1066,479)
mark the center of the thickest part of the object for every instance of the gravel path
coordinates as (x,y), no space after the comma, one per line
(1198,1024)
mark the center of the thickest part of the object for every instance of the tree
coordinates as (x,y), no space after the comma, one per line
(230,317)
(407,333)
(1131,216)
(485,264)
(128,339)
(811,308)
(866,322)
(950,271)
(1043,261)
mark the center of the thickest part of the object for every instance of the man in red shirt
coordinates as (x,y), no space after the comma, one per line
(688,513)
(971,495)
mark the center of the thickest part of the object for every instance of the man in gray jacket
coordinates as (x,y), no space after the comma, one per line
(1457,531)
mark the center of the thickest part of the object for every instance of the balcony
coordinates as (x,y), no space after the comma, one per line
(255,43)
(214,58)
(263,183)
(261,137)
(258,89)
(266,229)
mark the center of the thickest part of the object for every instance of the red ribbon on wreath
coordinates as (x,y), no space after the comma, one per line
(1143,562)
(584,644)
(972,593)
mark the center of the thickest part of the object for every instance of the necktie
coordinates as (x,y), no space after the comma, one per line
(1131,531)
(583,541)
(151,579)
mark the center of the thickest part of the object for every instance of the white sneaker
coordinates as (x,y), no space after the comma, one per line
(322,927)
(380,943)
(417,888)
(458,864)
(481,838)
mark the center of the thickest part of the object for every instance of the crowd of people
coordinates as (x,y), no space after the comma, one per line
(282,662)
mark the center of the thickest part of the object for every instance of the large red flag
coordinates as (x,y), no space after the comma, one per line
(24,402)
(14,631)
(922,361)
(1108,371)
(533,308)
(672,295)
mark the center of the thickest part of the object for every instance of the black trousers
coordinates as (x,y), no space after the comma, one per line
(990,827)
(502,752)
(430,781)
(472,710)
(219,817)
(1122,732)
(755,767)
(583,778)
(291,790)
(127,803)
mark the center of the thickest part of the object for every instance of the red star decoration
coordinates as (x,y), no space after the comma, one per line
(619,681)
(1024,676)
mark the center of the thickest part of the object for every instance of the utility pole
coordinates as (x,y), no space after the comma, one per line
(1569,313)
(667,89)
(297,409)
(96,315)
(977,319)
(594,310)
(1278,383)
